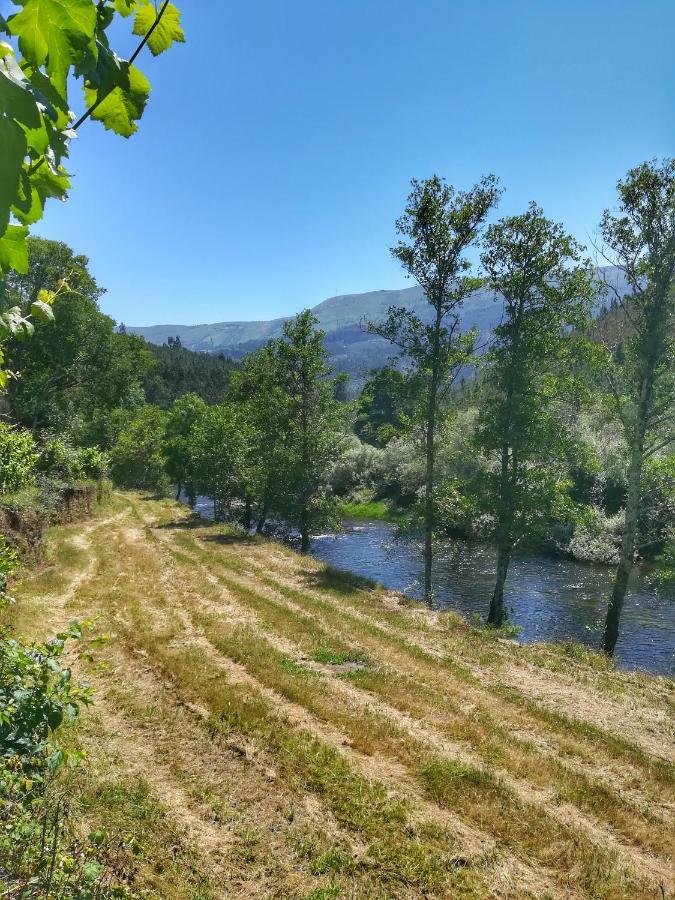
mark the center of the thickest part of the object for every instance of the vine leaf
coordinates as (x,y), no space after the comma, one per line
(123,106)
(13,149)
(14,249)
(167,31)
(56,34)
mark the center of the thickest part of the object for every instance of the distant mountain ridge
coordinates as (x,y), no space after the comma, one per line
(351,348)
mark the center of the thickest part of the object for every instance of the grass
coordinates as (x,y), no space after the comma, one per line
(254,758)
(375,511)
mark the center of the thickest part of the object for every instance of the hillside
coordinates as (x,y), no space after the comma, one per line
(351,348)
(266,727)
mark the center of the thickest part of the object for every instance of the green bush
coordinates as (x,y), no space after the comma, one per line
(138,457)
(17,458)
(63,462)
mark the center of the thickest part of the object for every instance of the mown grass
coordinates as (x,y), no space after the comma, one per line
(248,752)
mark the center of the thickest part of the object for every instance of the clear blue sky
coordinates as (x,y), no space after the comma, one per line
(279,142)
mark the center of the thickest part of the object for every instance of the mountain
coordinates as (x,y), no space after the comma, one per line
(351,348)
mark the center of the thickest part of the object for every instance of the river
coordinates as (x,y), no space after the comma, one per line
(549,598)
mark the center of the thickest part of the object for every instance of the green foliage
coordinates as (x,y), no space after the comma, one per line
(138,458)
(386,406)
(185,413)
(63,462)
(76,365)
(534,269)
(18,458)
(178,371)
(218,455)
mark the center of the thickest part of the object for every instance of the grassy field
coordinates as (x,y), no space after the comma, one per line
(269,727)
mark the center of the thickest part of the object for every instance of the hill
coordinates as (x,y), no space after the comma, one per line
(352,349)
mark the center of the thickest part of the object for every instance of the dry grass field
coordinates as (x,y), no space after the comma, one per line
(267,727)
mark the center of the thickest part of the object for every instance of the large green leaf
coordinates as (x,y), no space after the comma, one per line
(57,34)
(167,31)
(12,154)
(122,107)
(16,97)
(14,249)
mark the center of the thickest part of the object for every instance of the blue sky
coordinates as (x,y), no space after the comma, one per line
(280,140)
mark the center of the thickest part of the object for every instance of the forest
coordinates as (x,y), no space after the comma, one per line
(557,433)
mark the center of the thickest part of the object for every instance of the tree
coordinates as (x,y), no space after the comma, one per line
(257,390)
(137,458)
(386,406)
(311,422)
(639,238)
(534,269)
(181,420)
(218,455)
(438,226)
(77,363)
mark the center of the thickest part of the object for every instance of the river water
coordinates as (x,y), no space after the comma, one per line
(551,599)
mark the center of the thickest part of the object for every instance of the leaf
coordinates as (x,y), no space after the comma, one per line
(14,249)
(42,311)
(123,107)
(16,97)
(167,31)
(56,34)
(125,7)
(12,153)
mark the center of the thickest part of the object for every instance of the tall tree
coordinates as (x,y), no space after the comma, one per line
(438,226)
(180,422)
(219,454)
(257,389)
(639,238)
(534,269)
(312,418)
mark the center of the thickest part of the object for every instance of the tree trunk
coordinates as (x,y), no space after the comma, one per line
(246,518)
(179,488)
(625,567)
(496,614)
(429,471)
(304,532)
(262,518)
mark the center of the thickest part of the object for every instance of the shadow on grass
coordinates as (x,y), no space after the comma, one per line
(191,522)
(231,537)
(338,580)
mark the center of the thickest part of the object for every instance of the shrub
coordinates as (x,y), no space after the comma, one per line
(17,458)
(138,458)
(63,462)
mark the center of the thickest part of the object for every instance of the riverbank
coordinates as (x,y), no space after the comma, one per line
(266,725)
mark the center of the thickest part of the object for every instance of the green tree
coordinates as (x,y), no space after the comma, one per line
(438,226)
(257,390)
(534,269)
(639,238)
(386,406)
(180,422)
(137,459)
(312,423)
(218,457)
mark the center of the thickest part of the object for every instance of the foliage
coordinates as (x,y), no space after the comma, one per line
(312,418)
(218,455)
(65,463)
(438,226)
(640,239)
(178,371)
(17,458)
(77,364)
(185,413)
(138,458)
(386,406)
(532,266)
